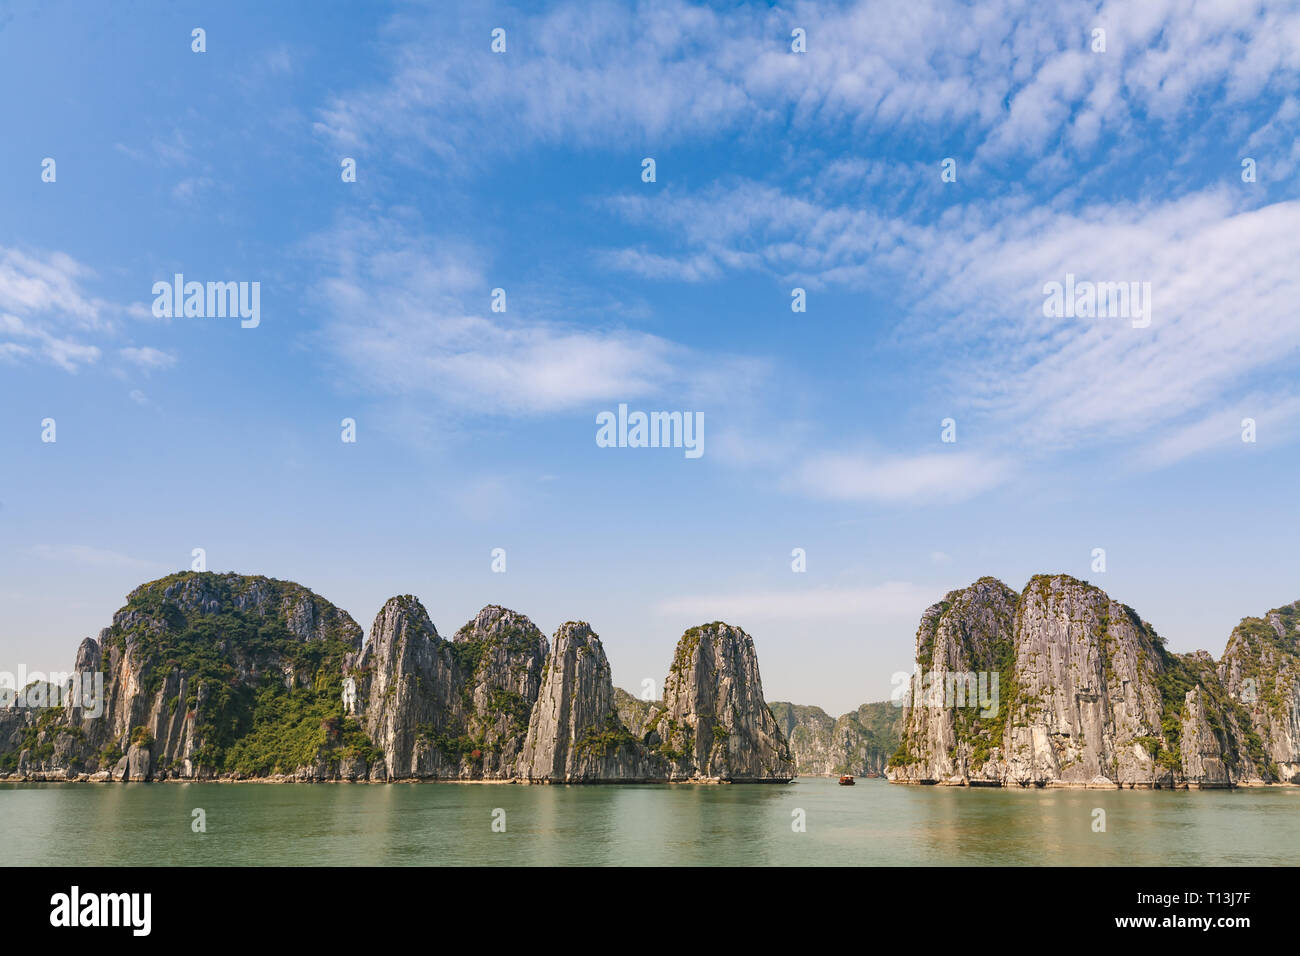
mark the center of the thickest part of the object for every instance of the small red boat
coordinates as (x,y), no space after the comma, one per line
(846,780)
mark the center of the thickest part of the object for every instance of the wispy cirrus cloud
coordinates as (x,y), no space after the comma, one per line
(1221,271)
(411,316)
(651,265)
(1013,82)
(1018,78)
(45,313)
(1008,84)
(1273,418)
(148,358)
(934,478)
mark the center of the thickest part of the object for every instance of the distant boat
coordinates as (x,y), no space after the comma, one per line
(846,780)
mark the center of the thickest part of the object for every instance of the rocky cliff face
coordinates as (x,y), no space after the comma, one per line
(406,687)
(575,734)
(455,709)
(714,723)
(196,669)
(859,742)
(869,736)
(1084,693)
(503,655)
(634,712)
(223,675)
(968,632)
(227,676)
(1069,688)
(810,733)
(1261,671)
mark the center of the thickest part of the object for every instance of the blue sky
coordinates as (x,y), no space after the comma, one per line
(775,170)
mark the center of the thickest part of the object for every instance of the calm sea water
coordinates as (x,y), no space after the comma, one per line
(437,824)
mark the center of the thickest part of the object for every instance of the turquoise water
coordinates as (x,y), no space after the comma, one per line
(432,824)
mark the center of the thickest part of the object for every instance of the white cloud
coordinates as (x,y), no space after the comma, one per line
(32,285)
(1012,82)
(45,313)
(936,478)
(1224,291)
(412,317)
(189,188)
(1018,74)
(572,75)
(148,358)
(1223,282)
(650,265)
(745,225)
(1275,147)
(1276,417)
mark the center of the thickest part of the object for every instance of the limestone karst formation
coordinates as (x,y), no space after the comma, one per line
(205,676)
(1089,696)
(228,676)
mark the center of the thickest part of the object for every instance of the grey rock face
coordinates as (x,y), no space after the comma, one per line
(1085,694)
(138,763)
(575,733)
(714,723)
(454,709)
(859,742)
(1088,697)
(13,723)
(810,732)
(868,737)
(968,632)
(503,655)
(1261,671)
(176,661)
(634,712)
(410,684)
(1202,749)
(209,676)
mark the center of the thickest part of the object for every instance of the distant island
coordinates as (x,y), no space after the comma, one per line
(209,676)
(858,743)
